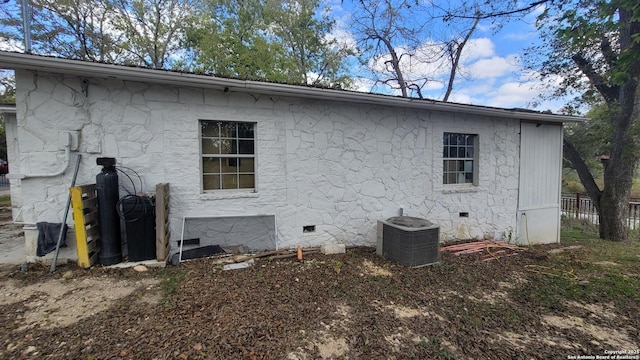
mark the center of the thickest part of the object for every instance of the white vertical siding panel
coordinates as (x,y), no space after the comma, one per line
(538,219)
(541,156)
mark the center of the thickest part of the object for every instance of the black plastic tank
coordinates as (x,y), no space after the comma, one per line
(140,227)
(108,219)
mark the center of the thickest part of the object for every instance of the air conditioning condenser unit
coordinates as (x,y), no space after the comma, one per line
(408,240)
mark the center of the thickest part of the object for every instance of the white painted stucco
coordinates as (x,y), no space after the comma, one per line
(335,165)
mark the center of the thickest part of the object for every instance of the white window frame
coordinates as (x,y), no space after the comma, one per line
(222,155)
(463,160)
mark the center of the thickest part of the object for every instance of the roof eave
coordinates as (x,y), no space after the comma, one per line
(91,69)
(7,108)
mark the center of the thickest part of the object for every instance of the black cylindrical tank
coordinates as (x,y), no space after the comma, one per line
(108,219)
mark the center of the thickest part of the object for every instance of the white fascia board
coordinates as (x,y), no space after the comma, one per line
(7,109)
(90,69)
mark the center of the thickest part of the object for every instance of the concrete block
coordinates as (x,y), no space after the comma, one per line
(331,248)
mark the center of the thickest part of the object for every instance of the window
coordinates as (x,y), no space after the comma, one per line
(460,158)
(228,155)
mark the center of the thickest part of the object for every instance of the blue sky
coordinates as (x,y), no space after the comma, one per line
(492,72)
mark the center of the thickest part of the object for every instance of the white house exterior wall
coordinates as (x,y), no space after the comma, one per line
(338,166)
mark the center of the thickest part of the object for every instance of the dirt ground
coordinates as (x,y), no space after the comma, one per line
(348,306)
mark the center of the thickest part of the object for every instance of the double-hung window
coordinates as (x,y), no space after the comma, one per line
(460,158)
(228,155)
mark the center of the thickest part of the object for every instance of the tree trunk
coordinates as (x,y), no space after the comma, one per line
(574,157)
(455,55)
(618,176)
(614,202)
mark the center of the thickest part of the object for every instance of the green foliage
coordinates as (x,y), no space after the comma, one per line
(171,282)
(592,138)
(154,30)
(281,41)
(436,346)
(135,32)
(7,88)
(76,29)
(5,200)
(592,48)
(7,96)
(598,270)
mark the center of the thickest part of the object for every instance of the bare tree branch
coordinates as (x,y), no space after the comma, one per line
(609,92)
(455,57)
(527,8)
(587,180)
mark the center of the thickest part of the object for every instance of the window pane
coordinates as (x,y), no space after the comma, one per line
(449,165)
(228,130)
(461,151)
(210,146)
(245,130)
(469,139)
(247,181)
(245,146)
(221,143)
(470,152)
(230,181)
(230,165)
(459,155)
(210,128)
(211,182)
(228,146)
(469,177)
(468,166)
(246,165)
(211,165)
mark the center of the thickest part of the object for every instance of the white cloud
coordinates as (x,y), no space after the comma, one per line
(478,71)
(514,94)
(344,38)
(517,36)
(462,99)
(493,67)
(478,48)
(10,45)
(361,84)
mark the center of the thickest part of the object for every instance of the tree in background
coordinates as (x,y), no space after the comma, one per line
(229,39)
(304,28)
(74,29)
(7,96)
(594,48)
(134,32)
(409,45)
(153,31)
(282,41)
(590,48)
(590,139)
(7,88)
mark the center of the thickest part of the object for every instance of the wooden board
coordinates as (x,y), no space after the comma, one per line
(83,203)
(162,221)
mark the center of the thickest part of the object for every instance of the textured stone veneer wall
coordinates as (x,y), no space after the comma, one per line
(337,166)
